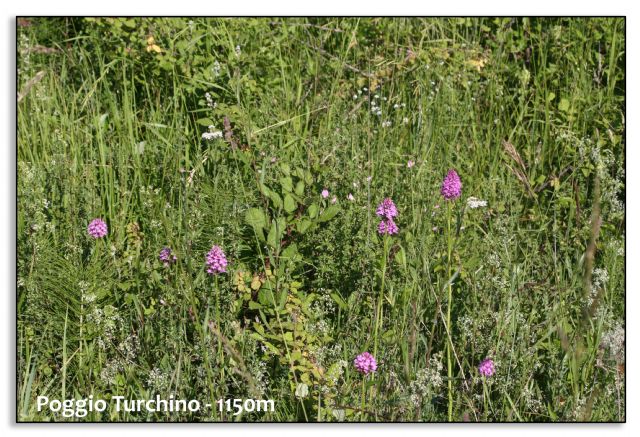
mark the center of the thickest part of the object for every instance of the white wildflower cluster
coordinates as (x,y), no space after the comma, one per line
(332,379)
(617,246)
(210,103)
(24,46)
(614,341)
(605,164)
(107,321)
(427,381)
(323,305)
(71,249)
(600,277)
(148,194)
(109,372)
(533,403)
(258,369)
(326,354)
(474,202)
(127,352)
(216,68)
(158,381)
(212,134)
(375,109)
(129,348)
(85,296)
(319,327)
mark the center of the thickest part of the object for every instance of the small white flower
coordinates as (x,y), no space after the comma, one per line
(211,135)
(350,197)
(473,203)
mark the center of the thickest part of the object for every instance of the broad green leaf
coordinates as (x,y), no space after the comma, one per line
(254,305)
(329,213)
(563,105)
(286,183)
(255,217)
(275,199)
(205,122)
(313,210)
(303,225)
(340,301)
(289,203)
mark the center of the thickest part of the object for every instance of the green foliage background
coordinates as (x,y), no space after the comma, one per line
(113,129)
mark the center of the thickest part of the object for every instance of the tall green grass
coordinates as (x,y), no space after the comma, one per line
(113,130)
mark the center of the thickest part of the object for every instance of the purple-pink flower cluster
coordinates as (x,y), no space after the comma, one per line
(97,228)
(387,210)
(451,186)
(216,261)
(387,227)
(365,363)
(487,367)
(167,257)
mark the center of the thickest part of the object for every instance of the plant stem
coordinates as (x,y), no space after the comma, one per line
(383,269)
(449,303)
(363,396)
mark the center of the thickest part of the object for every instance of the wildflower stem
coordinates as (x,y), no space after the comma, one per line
(383,270)
(449,302)
(363,396)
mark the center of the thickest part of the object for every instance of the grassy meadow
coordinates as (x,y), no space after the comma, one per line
(276,139)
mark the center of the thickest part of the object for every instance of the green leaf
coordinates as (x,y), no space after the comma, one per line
(264,297)
(205,122)
(401,257)
(286,183)
(254,305)
(282,299)
(299,188)
(257,220)
(303,225)
(276,231)
(289,203)
(255,217)
(313,210)
(340,301)
(564,105)
(275,199)
(290,252)
(329,213)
